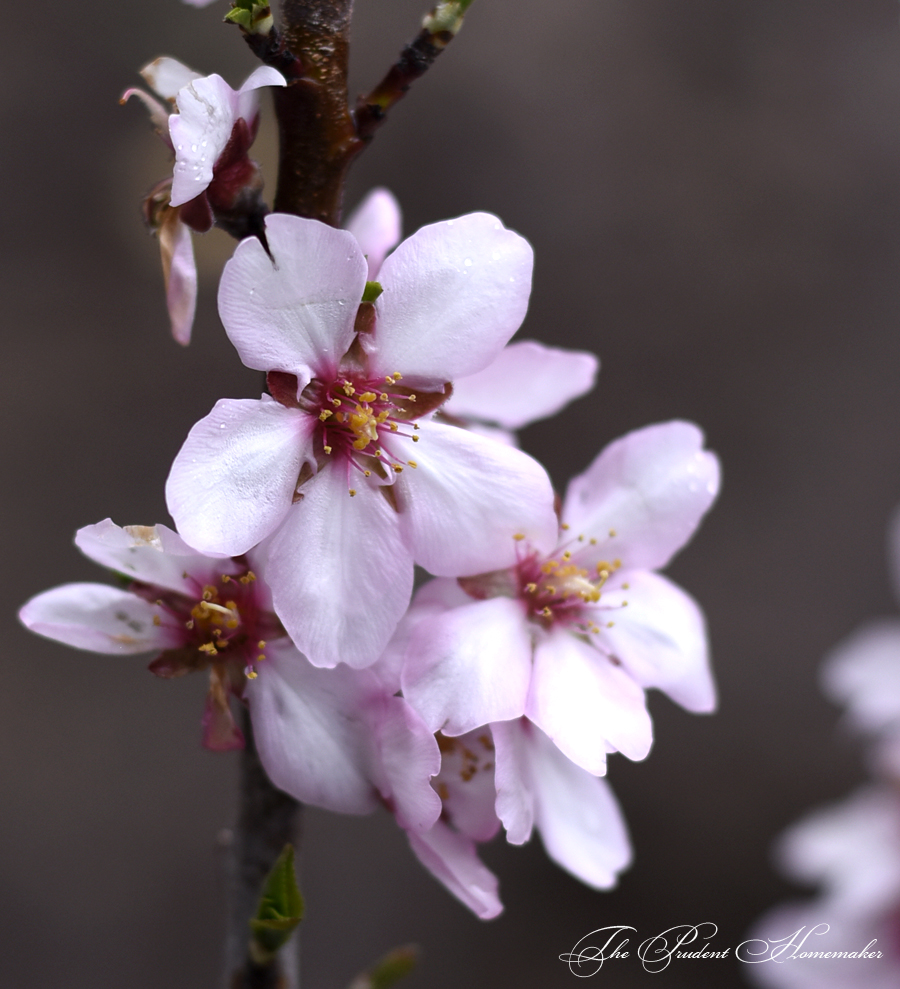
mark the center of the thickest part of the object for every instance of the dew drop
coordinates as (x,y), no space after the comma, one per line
(495,256)
(449,223)
(221,425)
(193,147)
(468,262)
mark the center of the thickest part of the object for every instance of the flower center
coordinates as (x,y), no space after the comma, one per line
(462,759)
(560,590)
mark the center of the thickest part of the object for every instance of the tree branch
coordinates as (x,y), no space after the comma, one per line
(267,820)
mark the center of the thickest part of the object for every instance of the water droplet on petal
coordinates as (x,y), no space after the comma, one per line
(449,223)
(468,262)
(193,147)
(221,425)
(495,256)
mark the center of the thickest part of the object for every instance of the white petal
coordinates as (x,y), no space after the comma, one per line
(340,574)
(180,274)
(454,293)
(452,858)
(583,701)
(469,666)
(644,495)
(99,618)
(863,672)
(199,131)
(526,382)
(375,223)
(659,637)
(248,96)
(232,481)
(152,555)
(408,757)
(466,784)
(512,776)
(310,730)
(467,500)
(167,76)
(578,817)
(294,312)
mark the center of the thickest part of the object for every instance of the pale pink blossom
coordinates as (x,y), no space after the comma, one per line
(852,851)
(525,382)
(334,738)
(210,136)
(511,774)
(343,472)
(571,639)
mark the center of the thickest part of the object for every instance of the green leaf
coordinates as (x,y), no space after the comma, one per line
(280,909)
(252,16)
(388,970)
(372,291)
(446,16)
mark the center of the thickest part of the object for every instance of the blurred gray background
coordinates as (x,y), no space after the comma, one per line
(712,188)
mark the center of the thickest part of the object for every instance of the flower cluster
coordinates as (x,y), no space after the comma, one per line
(385,440)
(851,849)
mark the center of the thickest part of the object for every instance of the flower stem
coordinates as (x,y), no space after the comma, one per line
(267,820)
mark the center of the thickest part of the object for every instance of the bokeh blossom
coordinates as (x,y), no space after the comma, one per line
(342,470)
(213,177)
(570,639)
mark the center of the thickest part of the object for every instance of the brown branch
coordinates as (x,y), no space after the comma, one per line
(415,60)
(267,820)
(317,134)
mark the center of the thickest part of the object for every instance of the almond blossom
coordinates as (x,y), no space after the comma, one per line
(210,136)
(510,773)
(342,470)
(335,738)
(571,639)
(525,382)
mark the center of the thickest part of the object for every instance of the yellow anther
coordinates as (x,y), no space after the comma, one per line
(209,592)
(625,587)
(624,604)
(397,468)
(368,473)
(352,492)
(336,402)
(360,444)
(564,526)
(531,588)
(327,449)
(349,389)
(396,375)
(546,612)
(415,439)
(260,658)
(550,566)
(567,555)
(610,624)
(394,427)
(261,644)
(388,380)
(189,623)
(232,623)
(519,536)
(157,620)
(368,396)
(551,589)
(383,396)
(248,578)
(225,578)
(325,414)
(209,648)
(592,542)
(415,426)
(412,398)
(412,463)
(251,674)
(612,533)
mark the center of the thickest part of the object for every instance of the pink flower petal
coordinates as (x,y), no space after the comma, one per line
(466,784)
(180,274)
(207,110)
(340,574)
(452,858)
(152,555)
(232,481)
(454,293)
(469,666)
(579,819)
(167,76)
(583,702)
(248,94)
(311,732)
(659,637)
(220,732)
(863,672)
(515,798)
(98,618)
(408,757)
(526,382)
(296,314)
(644,495)
(468,498)
(375,223)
